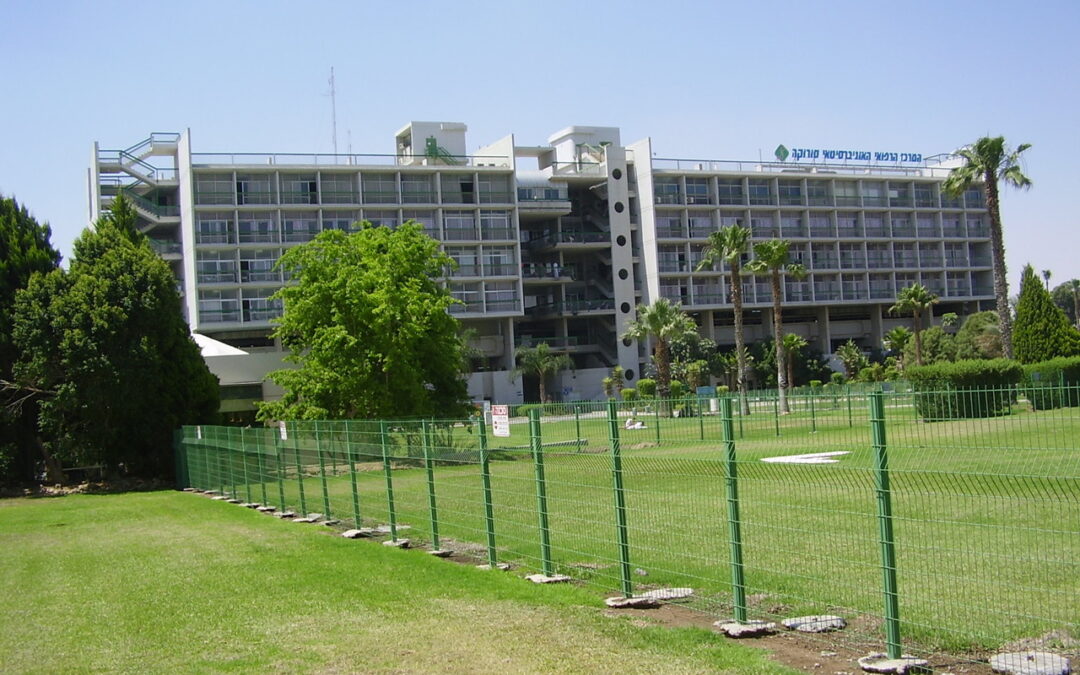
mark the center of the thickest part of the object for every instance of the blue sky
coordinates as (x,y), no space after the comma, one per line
(713,80)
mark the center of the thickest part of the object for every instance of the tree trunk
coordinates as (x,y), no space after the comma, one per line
(790,370)
(663,369)
(543,390)
(997,249)
(54,473)
(918,338)
(740,339)
(781,354)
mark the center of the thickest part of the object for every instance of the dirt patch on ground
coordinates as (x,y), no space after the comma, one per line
(101,487)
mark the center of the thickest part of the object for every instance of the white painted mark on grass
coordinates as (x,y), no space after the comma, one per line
(812,458)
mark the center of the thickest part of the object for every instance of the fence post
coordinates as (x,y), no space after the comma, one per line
(577,425)
(300,477)
(352,474)
(232,464)
(485,474)
(701,415)
(849,419)
(429,468)
(384,440)
(322,472)
(621,530)
(813,418)
(243,458)
(776,412)
(885,526)
(280,468)
(541,491)
(260,464)
(220,456)
(746,407)
(656,415)
(738,582)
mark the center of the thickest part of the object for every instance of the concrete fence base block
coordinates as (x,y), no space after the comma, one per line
(397,543)
(219,498)
(208,492)
(250,505)
(233,501)
(285,514)
(879,662)
(358,533)
(668,594)
(545,579)
(1030,663)
(441,553)
(634,602)
(498,566)
(385,529)
(266,509)
(735,629)
(308,519)
(189,489)
(330,521)
(818,623)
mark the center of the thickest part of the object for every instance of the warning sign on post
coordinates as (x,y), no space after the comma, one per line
(500,420)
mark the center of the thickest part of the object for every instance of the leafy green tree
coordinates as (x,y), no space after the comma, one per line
(1067,297)
(988,161)
(728,245)
(979,337)
(664,322)
(895,340)
(1042,329)
(367,322)
(851,355)
(793,345)
(937,346)
(613,384)
(915,299)
(107,340)
(25,249)
(771,259)
(540,362)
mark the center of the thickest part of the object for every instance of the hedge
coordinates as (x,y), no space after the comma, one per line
(1053,383)
(965,389)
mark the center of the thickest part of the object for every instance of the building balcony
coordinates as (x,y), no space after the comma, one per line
(548,272)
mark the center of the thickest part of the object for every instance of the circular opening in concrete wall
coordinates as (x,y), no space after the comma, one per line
(627,342)
(629,375)
(616,174)
(623,274)
(620,240)
(619,207)
(625,307)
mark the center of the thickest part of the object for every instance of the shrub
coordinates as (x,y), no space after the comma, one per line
(722,389)
(837,378)
(646,387)
(629,394)
(964,389)
(1041,330)
(815,384)
(523,409)
(1052,384)
(678,389)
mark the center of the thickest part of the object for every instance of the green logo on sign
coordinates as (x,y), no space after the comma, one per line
(782,153)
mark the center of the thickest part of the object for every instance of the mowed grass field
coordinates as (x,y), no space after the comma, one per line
(174,582)
(986,512)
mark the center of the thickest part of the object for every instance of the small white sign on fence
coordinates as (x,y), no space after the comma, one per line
(500,420)
(284,431)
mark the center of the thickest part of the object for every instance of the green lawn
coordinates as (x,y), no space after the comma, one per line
(987,512)
(174,582)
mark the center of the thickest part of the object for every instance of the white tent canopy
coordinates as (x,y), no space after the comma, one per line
(211,347)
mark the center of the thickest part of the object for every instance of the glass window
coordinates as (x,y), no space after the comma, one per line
(468,294)
(467,259)
(458,188)
(667,190)
(500,296)
(257,265)
(425,218)
(763,225)
(214,188)
(817,193)
(417,189)
(730,191)
(254,189)
(215,228)
(299,189)
(873,193)
(339,188)
(346,221)
(499,261)
(216,267)
(790,192)
(299,226)
(494,189)
(846,192)
(760,191)
(382,218)
(701,224)
(697,191)
(495,225)
(257,305)
(256,227)
(379,188)
(459,225)
(218,306)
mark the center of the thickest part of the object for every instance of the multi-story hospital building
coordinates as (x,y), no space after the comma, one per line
(558,242)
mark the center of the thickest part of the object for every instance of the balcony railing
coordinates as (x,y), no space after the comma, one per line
(165,246)
(216,277)
(547,271)
(219,315)
(542,194)
(551,341)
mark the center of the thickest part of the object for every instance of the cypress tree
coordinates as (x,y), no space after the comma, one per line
(1042,330)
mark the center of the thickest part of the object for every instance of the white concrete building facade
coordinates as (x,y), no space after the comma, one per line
(555,243)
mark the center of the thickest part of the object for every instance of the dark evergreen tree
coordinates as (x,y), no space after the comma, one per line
(1042,330)
(25,249)
(108,341)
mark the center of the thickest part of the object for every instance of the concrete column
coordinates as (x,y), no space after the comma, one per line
(824,343)
(876,332)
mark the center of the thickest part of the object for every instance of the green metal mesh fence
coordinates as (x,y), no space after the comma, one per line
(940,522)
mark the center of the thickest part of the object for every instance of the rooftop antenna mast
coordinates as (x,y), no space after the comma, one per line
(333,109)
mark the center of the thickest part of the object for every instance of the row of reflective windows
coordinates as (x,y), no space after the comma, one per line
(810,192)
(827,287)
(684,258)
(253,227)
(824,224)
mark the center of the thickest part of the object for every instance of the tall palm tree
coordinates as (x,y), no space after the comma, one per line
(663,321)
(1046,277)
(793,344)
(771,259)
(728,244)
(915,299)
(541,362)
(987,161)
